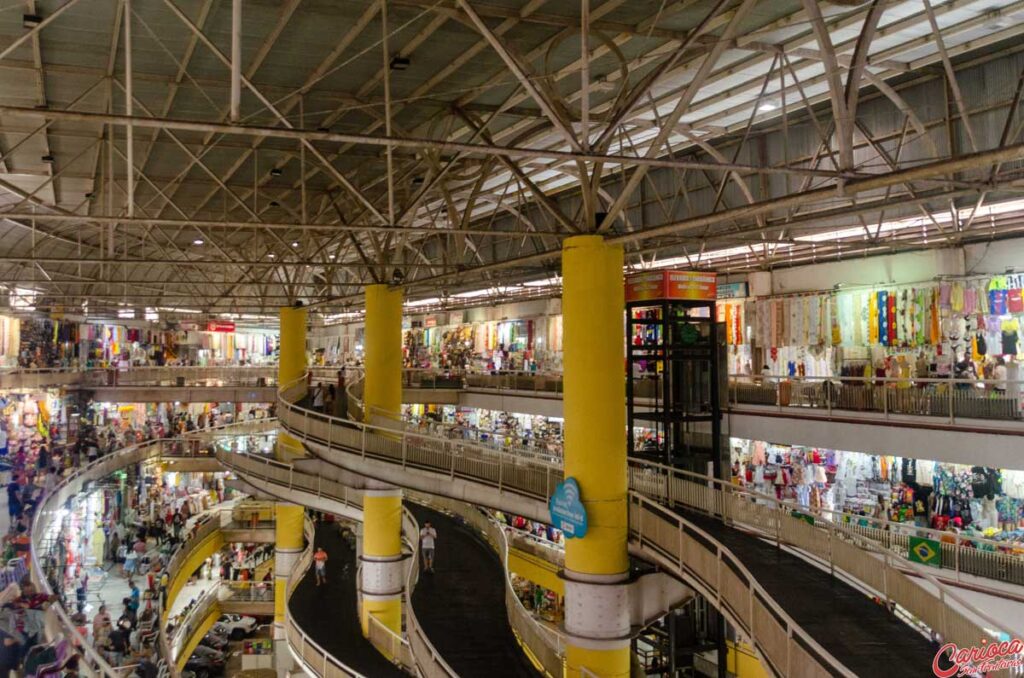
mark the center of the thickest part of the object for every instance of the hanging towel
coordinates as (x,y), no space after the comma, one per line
(956,297)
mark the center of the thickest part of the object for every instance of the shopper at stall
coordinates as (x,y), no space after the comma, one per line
(318,397)
(100,624)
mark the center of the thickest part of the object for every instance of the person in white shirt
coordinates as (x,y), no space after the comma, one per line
(428,536)
(999,374)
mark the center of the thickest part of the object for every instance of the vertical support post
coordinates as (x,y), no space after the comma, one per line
(387,109)
(381,581)
(596,565)
(236,59)
(128,110)
(288,517)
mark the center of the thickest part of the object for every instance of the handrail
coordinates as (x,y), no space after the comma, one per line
(418,640)
(304,649)
(184,630)
(51,502)
(285,475)
(40,377)
(824,540)
(507,472)
(975,555)
(882,531)
(737,592)
(546,644)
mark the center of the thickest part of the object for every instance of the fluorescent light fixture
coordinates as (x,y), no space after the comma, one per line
(765,106)
(176,309)
(24,299)
(422,302)
(295,244)
(271,255)
(472,294)
(126,313)
(546,282)
(197,241)
(151,314)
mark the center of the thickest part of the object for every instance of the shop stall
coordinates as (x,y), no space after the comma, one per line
(972,500)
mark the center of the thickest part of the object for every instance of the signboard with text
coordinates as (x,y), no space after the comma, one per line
(567,511)
(220,326)
(736,290)
(671,285)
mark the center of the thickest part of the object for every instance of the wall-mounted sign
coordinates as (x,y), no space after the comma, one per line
(671,285)
(430,321)
(567,511)
(736,290)
(220,326)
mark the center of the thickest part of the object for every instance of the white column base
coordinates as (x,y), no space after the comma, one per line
(597,609)
(382,577)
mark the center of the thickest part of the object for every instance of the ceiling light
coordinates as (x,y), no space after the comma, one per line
(276,172)
(767,106)
(331,256)
(197,241)
(295,244)
(400,63)
(31,20)
(271,255)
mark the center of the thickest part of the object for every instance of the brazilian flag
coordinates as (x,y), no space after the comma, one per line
(925,551)
(804,517)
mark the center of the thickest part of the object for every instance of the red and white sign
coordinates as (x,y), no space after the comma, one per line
(672,285)
(220,326)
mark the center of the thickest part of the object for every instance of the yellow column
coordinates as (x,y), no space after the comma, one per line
(381,584)
(292,362)
(382,558)
(382,356)
(596,566)
(291,368)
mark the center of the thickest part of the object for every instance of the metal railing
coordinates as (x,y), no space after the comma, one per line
(543,643)
(313,658)
(839,545)
(287,477)
(961,555)
(193,376)
(945,398)
(510,473)
(189,620)
(428,662)
(58,621)
(698,558)
(200,532)
(146,375)
(974,555)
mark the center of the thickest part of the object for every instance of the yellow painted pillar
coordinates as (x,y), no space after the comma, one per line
(382,353)
(596,565)
(292,362)
(288,537)
(382,582)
